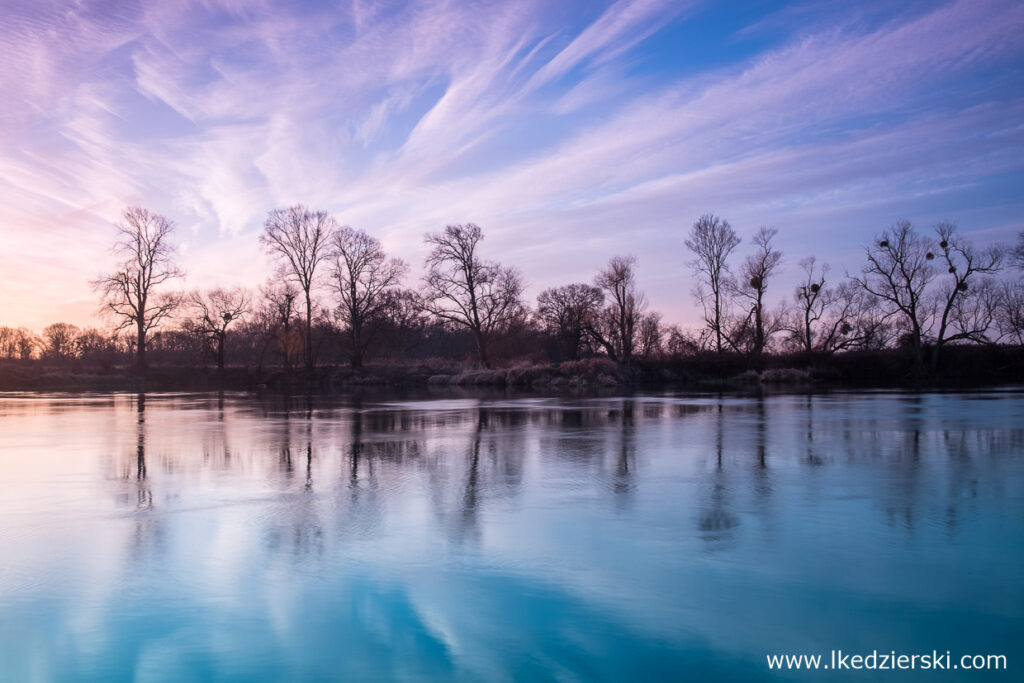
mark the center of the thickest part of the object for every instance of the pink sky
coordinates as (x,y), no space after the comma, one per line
(571,133)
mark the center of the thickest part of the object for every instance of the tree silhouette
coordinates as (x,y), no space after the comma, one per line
(712,240)
(363,276)
(757,270)
(568,312)
(967,311)
(299,238)
(897,274)
(617,331)
(131,292)
(1018,251)
(60,341)
(461,288)
(214,312)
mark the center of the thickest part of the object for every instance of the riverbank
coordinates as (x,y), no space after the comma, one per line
(961,367)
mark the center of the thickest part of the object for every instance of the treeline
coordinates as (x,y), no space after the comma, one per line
(338,298)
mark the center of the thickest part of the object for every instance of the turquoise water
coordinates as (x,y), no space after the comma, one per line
(206,537)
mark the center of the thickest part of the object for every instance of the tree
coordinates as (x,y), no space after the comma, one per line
(300,239)
(621,317)
(682,343)
(757,270)
(712,240)
(897,274)
(60,341)
(974,316)
(276,319)
(18,343)
(852,320)
(406,320)
(8,342)
(131,292)
(1010,311)
(1018,251)
(363,276)
(214,312)
(461,288)
(813,298)
(93,345)
(969,313)
(568,312)
(27,343)
(651,335)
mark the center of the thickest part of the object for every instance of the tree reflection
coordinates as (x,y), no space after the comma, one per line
(297,532)
(812,457)
(355,447)
(623,484)
(762,474)
(904,466)
(717,525)
(143,492)
(465,461)
(468,526)
(284,459)
(147,528)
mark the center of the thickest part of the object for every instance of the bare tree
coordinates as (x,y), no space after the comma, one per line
(1018,251)
(897,274)
(28,343)
(621,317)
(60,341)
(969,315)
(8,342)
(406,320)
(568,312)
(757,270)
(813,299)
(131,292)
(852,320)
(974,316)
(712,240)
(214,312)
(273,323)
(18,343)
(96,346)
(363,276)
(651,335)
(1010,311)
(681,343)
(461,288)
(300,239)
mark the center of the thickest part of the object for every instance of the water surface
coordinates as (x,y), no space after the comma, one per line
(223,537)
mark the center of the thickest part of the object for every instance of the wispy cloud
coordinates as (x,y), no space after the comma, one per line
(568,128)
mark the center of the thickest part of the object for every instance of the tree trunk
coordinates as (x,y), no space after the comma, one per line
(220,354)
(758,332)
(935,356)
(718,323)
(309,336)
(807,334)
(481,347)
(140,346)
(355,335)
(915,343)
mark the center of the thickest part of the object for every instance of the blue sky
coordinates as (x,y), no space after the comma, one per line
(571,132)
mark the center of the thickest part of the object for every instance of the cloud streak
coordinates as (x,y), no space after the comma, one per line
(558,129)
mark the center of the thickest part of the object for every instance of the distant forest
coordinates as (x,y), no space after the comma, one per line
(338,301)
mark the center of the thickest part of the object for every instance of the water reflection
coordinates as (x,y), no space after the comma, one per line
(497,537)
(717,524)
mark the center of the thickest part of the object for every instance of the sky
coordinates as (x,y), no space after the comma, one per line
(569,131)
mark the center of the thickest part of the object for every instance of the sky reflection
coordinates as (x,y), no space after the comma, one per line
(205,536)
